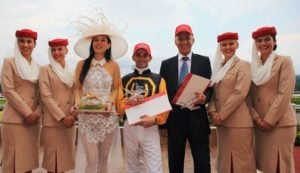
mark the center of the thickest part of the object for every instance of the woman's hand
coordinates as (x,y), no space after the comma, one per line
(108,108)
(32,119)
(74,111)
(262,124)
(265,125)
(215,117)
(68,121)
(258,122)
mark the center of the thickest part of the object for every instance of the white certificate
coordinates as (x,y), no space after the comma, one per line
(153,105)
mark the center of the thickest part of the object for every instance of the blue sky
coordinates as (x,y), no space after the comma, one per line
(154,22)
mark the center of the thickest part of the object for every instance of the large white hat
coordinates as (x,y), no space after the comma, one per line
(99,26)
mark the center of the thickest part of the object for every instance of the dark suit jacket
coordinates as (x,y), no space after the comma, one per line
(200,65)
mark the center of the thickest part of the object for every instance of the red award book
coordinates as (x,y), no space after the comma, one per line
(186,92)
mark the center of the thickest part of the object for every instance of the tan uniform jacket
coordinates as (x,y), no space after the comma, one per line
(22,96)
(57,97)
(272,100)
(229,97)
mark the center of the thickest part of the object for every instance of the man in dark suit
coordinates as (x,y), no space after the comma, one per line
(185,124)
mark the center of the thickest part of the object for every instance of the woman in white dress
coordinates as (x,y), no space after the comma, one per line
(99,146)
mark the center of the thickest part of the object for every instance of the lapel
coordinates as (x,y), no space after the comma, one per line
(52,73)
(236,60)
(233,64)
(193,64)
(175,75)
(275,61)
(55,80)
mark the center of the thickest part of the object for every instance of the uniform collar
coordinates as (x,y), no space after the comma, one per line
(141,71)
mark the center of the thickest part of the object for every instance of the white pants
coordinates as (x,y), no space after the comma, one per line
(142,145)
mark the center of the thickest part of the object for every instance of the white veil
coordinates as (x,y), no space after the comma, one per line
(27,71)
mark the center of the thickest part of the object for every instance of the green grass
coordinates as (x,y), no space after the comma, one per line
(297,141)
(2,101)
(296,100)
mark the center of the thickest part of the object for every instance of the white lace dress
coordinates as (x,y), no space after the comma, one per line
(99,145)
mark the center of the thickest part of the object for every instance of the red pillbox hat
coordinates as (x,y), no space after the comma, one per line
(26,33)
(267,30)
(228,36)
(58,42)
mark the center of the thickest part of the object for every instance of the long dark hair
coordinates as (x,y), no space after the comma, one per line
(274,38)
(87,63)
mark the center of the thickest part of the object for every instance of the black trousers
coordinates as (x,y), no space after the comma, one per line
(193,126)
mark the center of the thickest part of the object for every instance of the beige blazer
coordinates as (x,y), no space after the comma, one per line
(272,100)
(22,95)
(57,97)
(229,98)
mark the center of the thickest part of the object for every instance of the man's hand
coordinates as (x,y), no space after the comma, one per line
(200,98)
(135,100)
(147,121)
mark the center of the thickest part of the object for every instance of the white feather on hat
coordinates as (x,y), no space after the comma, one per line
(98,26)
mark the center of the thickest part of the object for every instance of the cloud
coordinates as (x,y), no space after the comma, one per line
(289,45)
(230,10)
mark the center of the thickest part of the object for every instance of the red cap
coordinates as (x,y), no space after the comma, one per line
(58,42)
(183,28)
(26,33)
(142,46)
(228,36)
(267,30)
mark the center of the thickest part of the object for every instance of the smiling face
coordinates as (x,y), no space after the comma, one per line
(141,58)
(265,45)
(100,44)
(228,48)
(26,46)
(184,42)
(59,53)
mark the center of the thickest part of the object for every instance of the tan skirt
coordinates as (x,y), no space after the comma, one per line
(59,148)
(20,147)
(274,149)
(235,150)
